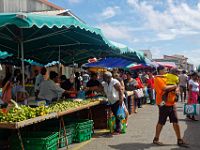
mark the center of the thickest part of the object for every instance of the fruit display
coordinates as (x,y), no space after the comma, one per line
(67,104)
(18,113)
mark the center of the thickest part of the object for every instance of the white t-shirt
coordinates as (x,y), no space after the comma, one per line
(183,79)
(195,85)
(39,79)
(111,93)
(49,90)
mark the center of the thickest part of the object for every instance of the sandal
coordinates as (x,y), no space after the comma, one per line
(194,119)
(182,143)
(156,141)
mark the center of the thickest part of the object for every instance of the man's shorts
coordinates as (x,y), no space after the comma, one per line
(167,111)
(183,89)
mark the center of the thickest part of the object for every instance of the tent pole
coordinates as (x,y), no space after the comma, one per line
(22,58)
(59,65)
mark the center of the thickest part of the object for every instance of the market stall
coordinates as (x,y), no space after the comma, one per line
(56,110)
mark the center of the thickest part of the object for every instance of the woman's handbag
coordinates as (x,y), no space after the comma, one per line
(139,93)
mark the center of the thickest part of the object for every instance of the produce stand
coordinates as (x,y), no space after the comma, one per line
(18,125)
(21,124)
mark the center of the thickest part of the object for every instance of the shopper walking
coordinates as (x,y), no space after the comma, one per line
(183,80)
(193,92)
(168,110)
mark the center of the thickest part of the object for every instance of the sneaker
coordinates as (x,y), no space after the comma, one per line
(194,119)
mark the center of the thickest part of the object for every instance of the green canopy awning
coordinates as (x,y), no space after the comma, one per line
(4,55)
(45,38)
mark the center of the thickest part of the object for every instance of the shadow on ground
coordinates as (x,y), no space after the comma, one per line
(137,146)
(132,146)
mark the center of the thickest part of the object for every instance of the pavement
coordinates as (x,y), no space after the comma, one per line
(141,130)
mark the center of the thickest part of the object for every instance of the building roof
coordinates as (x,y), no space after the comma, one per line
(60,12)
(50,4)
(50,12)
(176,56)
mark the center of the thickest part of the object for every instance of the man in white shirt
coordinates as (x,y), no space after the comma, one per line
(48,89)
(183,81)
(114,93)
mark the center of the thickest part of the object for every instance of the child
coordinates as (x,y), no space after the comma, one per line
(171,79)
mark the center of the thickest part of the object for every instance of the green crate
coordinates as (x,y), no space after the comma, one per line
(68,131)
(62,141)
(82,137)
(36,140)
(84,122)
(88,126)
(84,131)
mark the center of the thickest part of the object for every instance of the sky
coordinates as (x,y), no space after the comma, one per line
(166,27)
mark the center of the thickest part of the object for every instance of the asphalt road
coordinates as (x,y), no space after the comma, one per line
(141,130)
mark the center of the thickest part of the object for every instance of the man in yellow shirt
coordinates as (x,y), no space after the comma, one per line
(168,110)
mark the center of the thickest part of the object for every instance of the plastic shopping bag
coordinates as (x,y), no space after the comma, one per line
(191,109)
(121,113)
(112,124)
(123,126)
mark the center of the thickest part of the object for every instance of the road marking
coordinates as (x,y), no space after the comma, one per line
(81,145)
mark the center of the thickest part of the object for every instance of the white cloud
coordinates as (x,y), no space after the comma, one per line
(116,32)
(74,1)
(174,21)
(192,56)
(166,36)
(110,12)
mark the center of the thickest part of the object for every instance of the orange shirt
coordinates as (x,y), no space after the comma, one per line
(160,84)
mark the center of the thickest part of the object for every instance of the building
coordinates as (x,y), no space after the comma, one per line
(190,67)
(179,60)
(147,53)
(27,6)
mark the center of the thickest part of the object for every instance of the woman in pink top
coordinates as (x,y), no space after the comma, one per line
(193,91)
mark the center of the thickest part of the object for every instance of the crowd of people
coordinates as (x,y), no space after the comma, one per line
(131,90)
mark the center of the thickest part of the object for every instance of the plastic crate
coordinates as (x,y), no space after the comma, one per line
(62,141)
(36,141)
(84,131)
(84,122)
(88,126)
(82,137)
